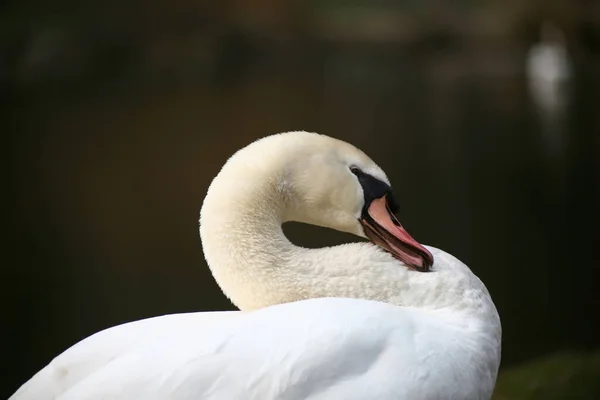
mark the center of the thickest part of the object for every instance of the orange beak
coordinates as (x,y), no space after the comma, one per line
(383,228)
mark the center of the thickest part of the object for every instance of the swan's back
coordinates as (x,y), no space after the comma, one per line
(319,349)
(78,365)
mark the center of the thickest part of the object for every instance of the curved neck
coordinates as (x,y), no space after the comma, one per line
(257,266)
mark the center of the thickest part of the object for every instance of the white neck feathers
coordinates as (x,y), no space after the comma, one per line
(257,266)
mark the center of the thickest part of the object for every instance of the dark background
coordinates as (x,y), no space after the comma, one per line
(117,115)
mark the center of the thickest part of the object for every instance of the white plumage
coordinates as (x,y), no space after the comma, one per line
(345,322)
(549,71)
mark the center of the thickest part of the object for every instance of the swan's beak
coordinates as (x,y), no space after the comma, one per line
(383,229)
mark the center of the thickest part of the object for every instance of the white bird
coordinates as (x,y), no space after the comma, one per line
(549,71)
(390,320)
(548,66)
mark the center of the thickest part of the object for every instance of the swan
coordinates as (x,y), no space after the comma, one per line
(549,71)
(548,67)
(385,319)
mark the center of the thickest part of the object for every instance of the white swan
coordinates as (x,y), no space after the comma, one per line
(549,71)
(355,321)
(548,68)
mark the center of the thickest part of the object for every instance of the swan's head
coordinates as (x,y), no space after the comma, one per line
(327,182)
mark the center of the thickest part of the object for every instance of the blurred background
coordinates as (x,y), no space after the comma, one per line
(484,114)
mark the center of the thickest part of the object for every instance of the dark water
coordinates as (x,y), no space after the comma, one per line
(108,180)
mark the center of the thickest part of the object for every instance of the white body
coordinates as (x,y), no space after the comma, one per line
(549,71)
(346,322)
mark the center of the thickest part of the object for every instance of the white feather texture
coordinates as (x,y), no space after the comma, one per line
(343,322)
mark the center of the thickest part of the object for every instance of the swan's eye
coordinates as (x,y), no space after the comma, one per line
(355,170)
